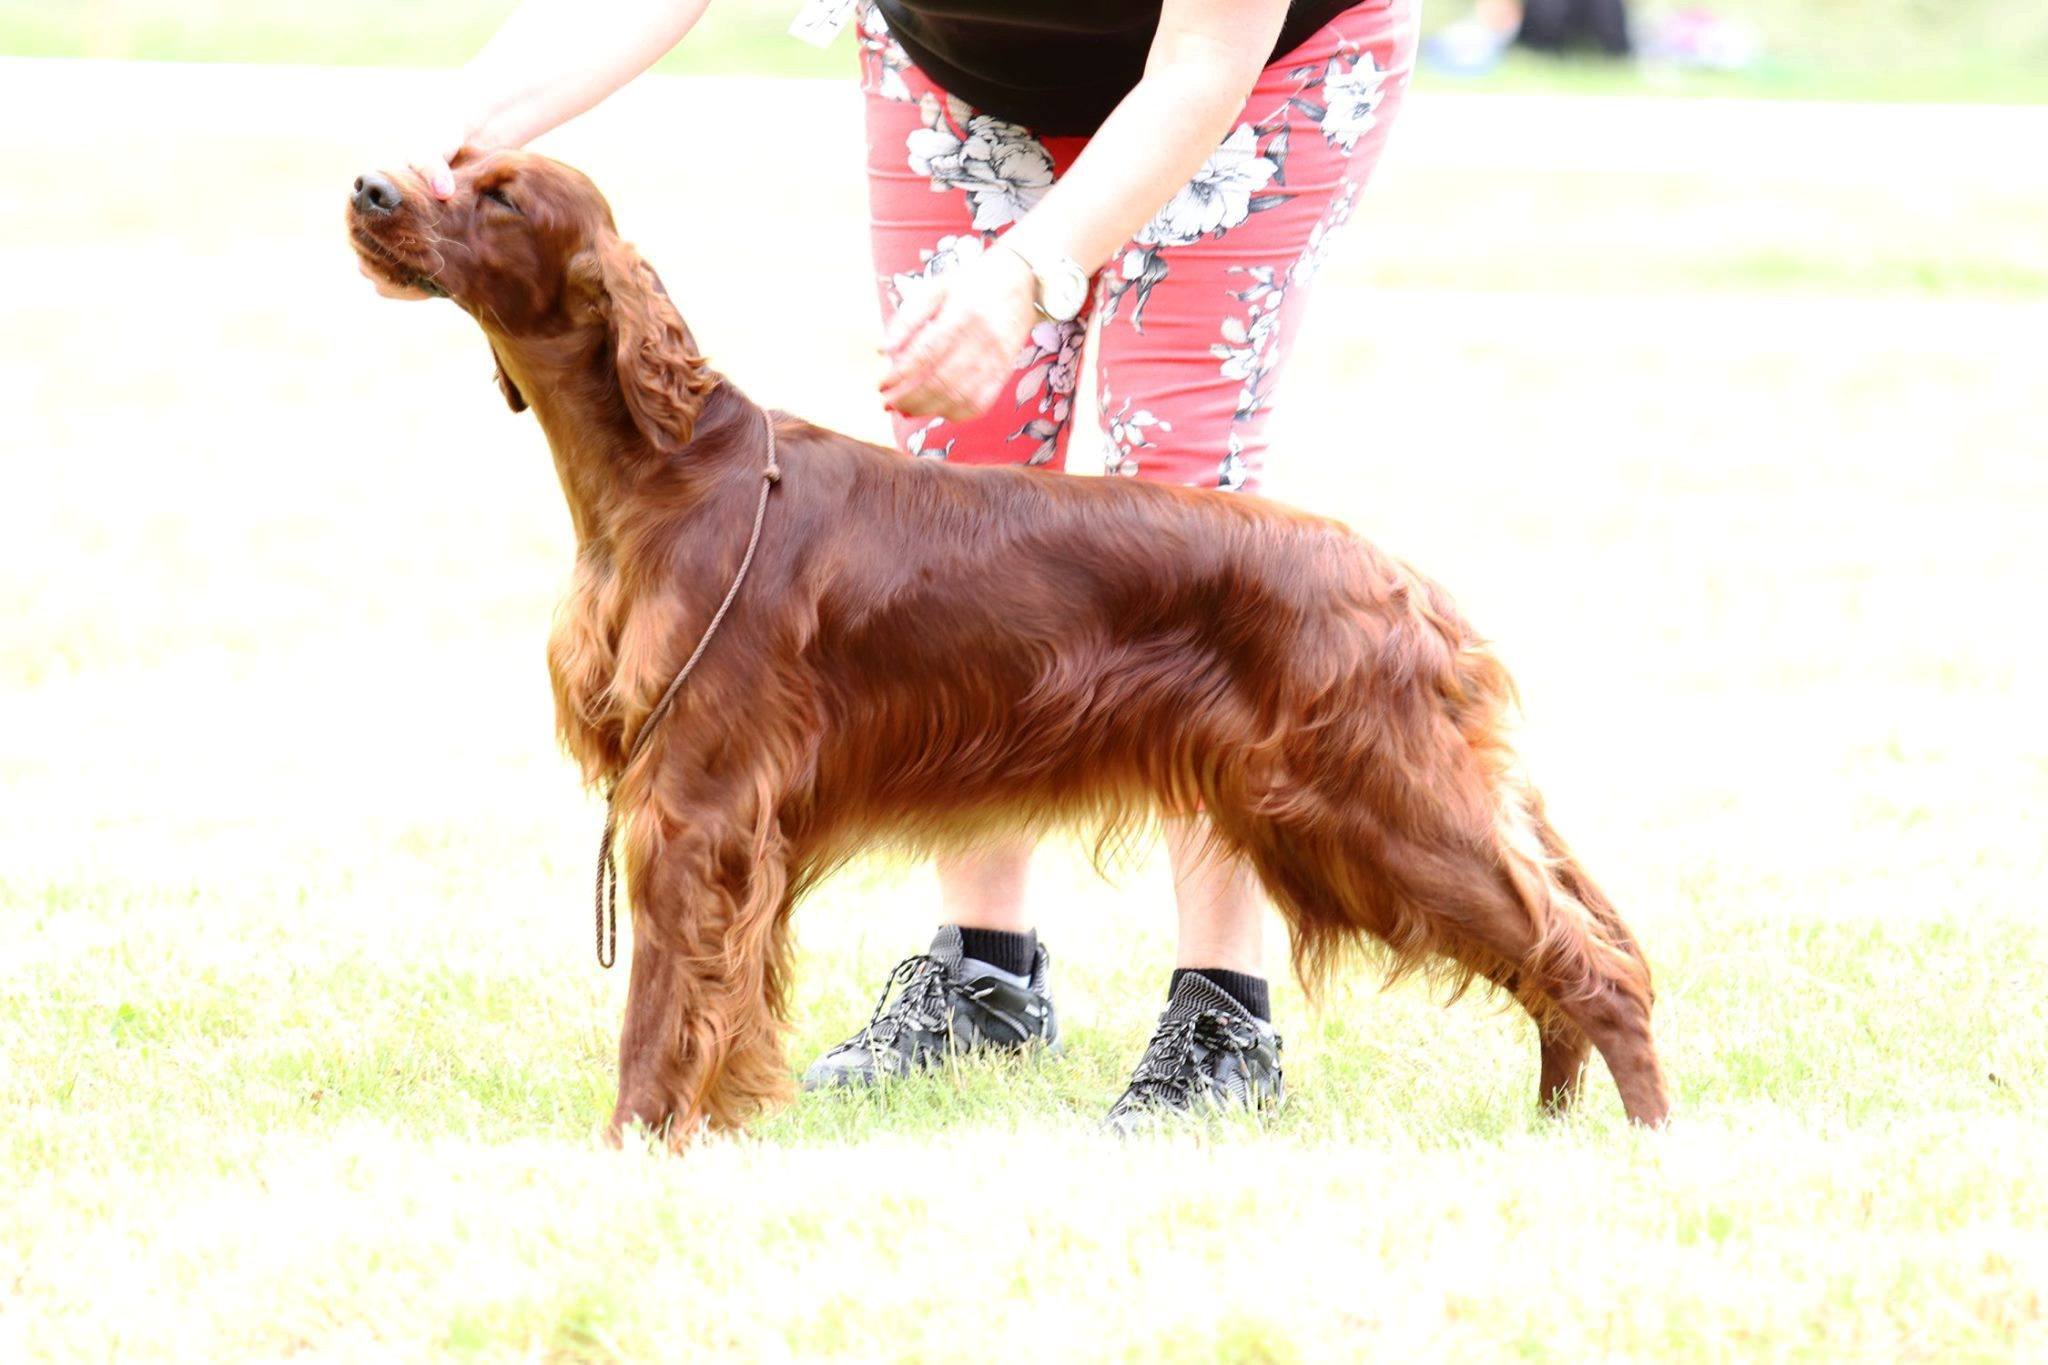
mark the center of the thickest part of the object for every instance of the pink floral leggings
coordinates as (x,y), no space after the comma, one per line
(1198,311)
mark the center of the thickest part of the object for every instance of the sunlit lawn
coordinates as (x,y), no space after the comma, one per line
(301,1045)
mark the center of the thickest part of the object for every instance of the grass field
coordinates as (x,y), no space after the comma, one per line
(301,1047)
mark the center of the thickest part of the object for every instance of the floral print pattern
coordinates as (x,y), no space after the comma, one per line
(917,443)
(1048,372)
(949,254)
(1125,431)
(1352,101)
(1221,270)
(1249,349)
(1323,234)
(1000,167)
(1220,196)
(1226,191)
(883,60)
(1233,473)
(1342,95)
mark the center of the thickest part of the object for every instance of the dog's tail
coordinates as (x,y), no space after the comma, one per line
(1582,944)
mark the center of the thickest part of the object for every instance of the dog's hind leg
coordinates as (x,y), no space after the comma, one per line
(1305,898)
(1566,944)
(1563,1049)
(1438,891)
(1566,1046)
(1587,959)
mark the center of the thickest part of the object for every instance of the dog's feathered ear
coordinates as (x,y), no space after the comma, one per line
(661,374)
(514,399)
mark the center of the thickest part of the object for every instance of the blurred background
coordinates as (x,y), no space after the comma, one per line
(1842,49)
(1708,377)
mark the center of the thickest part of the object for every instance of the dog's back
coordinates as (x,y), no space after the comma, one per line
(1093,612)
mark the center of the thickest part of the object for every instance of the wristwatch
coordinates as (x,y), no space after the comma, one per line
(1062,286)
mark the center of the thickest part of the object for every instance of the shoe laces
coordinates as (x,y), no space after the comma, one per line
(925,990)
(1168,1067)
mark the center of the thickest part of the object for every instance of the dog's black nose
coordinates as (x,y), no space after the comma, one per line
(375,195)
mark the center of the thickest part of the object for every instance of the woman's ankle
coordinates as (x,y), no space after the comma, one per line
(984,887)
(1003,948)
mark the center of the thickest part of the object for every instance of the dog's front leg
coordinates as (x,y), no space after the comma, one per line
(703,1038)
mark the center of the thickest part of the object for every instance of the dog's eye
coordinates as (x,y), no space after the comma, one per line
(498,196)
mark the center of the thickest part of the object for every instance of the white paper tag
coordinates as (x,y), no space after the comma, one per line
(819,21)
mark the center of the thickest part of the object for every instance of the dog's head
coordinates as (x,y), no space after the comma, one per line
(527,247)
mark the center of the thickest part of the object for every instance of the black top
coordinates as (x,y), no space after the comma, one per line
(1056,66)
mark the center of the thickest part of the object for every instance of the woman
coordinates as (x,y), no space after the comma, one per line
(1175,169)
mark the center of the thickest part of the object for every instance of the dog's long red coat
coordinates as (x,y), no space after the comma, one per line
(924,653)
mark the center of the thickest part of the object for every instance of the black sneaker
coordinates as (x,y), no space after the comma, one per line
(1209,1054)
(946,1003)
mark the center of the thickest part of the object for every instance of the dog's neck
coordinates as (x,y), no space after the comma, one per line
(605,462)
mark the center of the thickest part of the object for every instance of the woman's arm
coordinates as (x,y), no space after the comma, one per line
(548,62)
(1205,59)
(951,347)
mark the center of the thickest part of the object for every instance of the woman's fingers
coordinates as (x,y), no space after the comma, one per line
(919,307)
(949,353)
(958,336)
(437,166)
(930,348)
(933,369)
(435,171)
(433,157)
(958,387)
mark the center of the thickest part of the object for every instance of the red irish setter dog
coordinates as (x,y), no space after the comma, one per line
(924,652)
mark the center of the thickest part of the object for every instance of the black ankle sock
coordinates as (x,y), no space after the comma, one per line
(1246,989)
(1001,948)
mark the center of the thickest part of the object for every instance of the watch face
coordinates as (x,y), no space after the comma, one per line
(1064,289)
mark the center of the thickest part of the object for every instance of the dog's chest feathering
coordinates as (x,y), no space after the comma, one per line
(583,665)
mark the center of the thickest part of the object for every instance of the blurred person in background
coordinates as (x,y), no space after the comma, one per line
(1175,171)
(1568,25)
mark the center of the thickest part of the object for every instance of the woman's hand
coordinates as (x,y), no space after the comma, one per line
(954,344)
(430,157)
(548,62)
